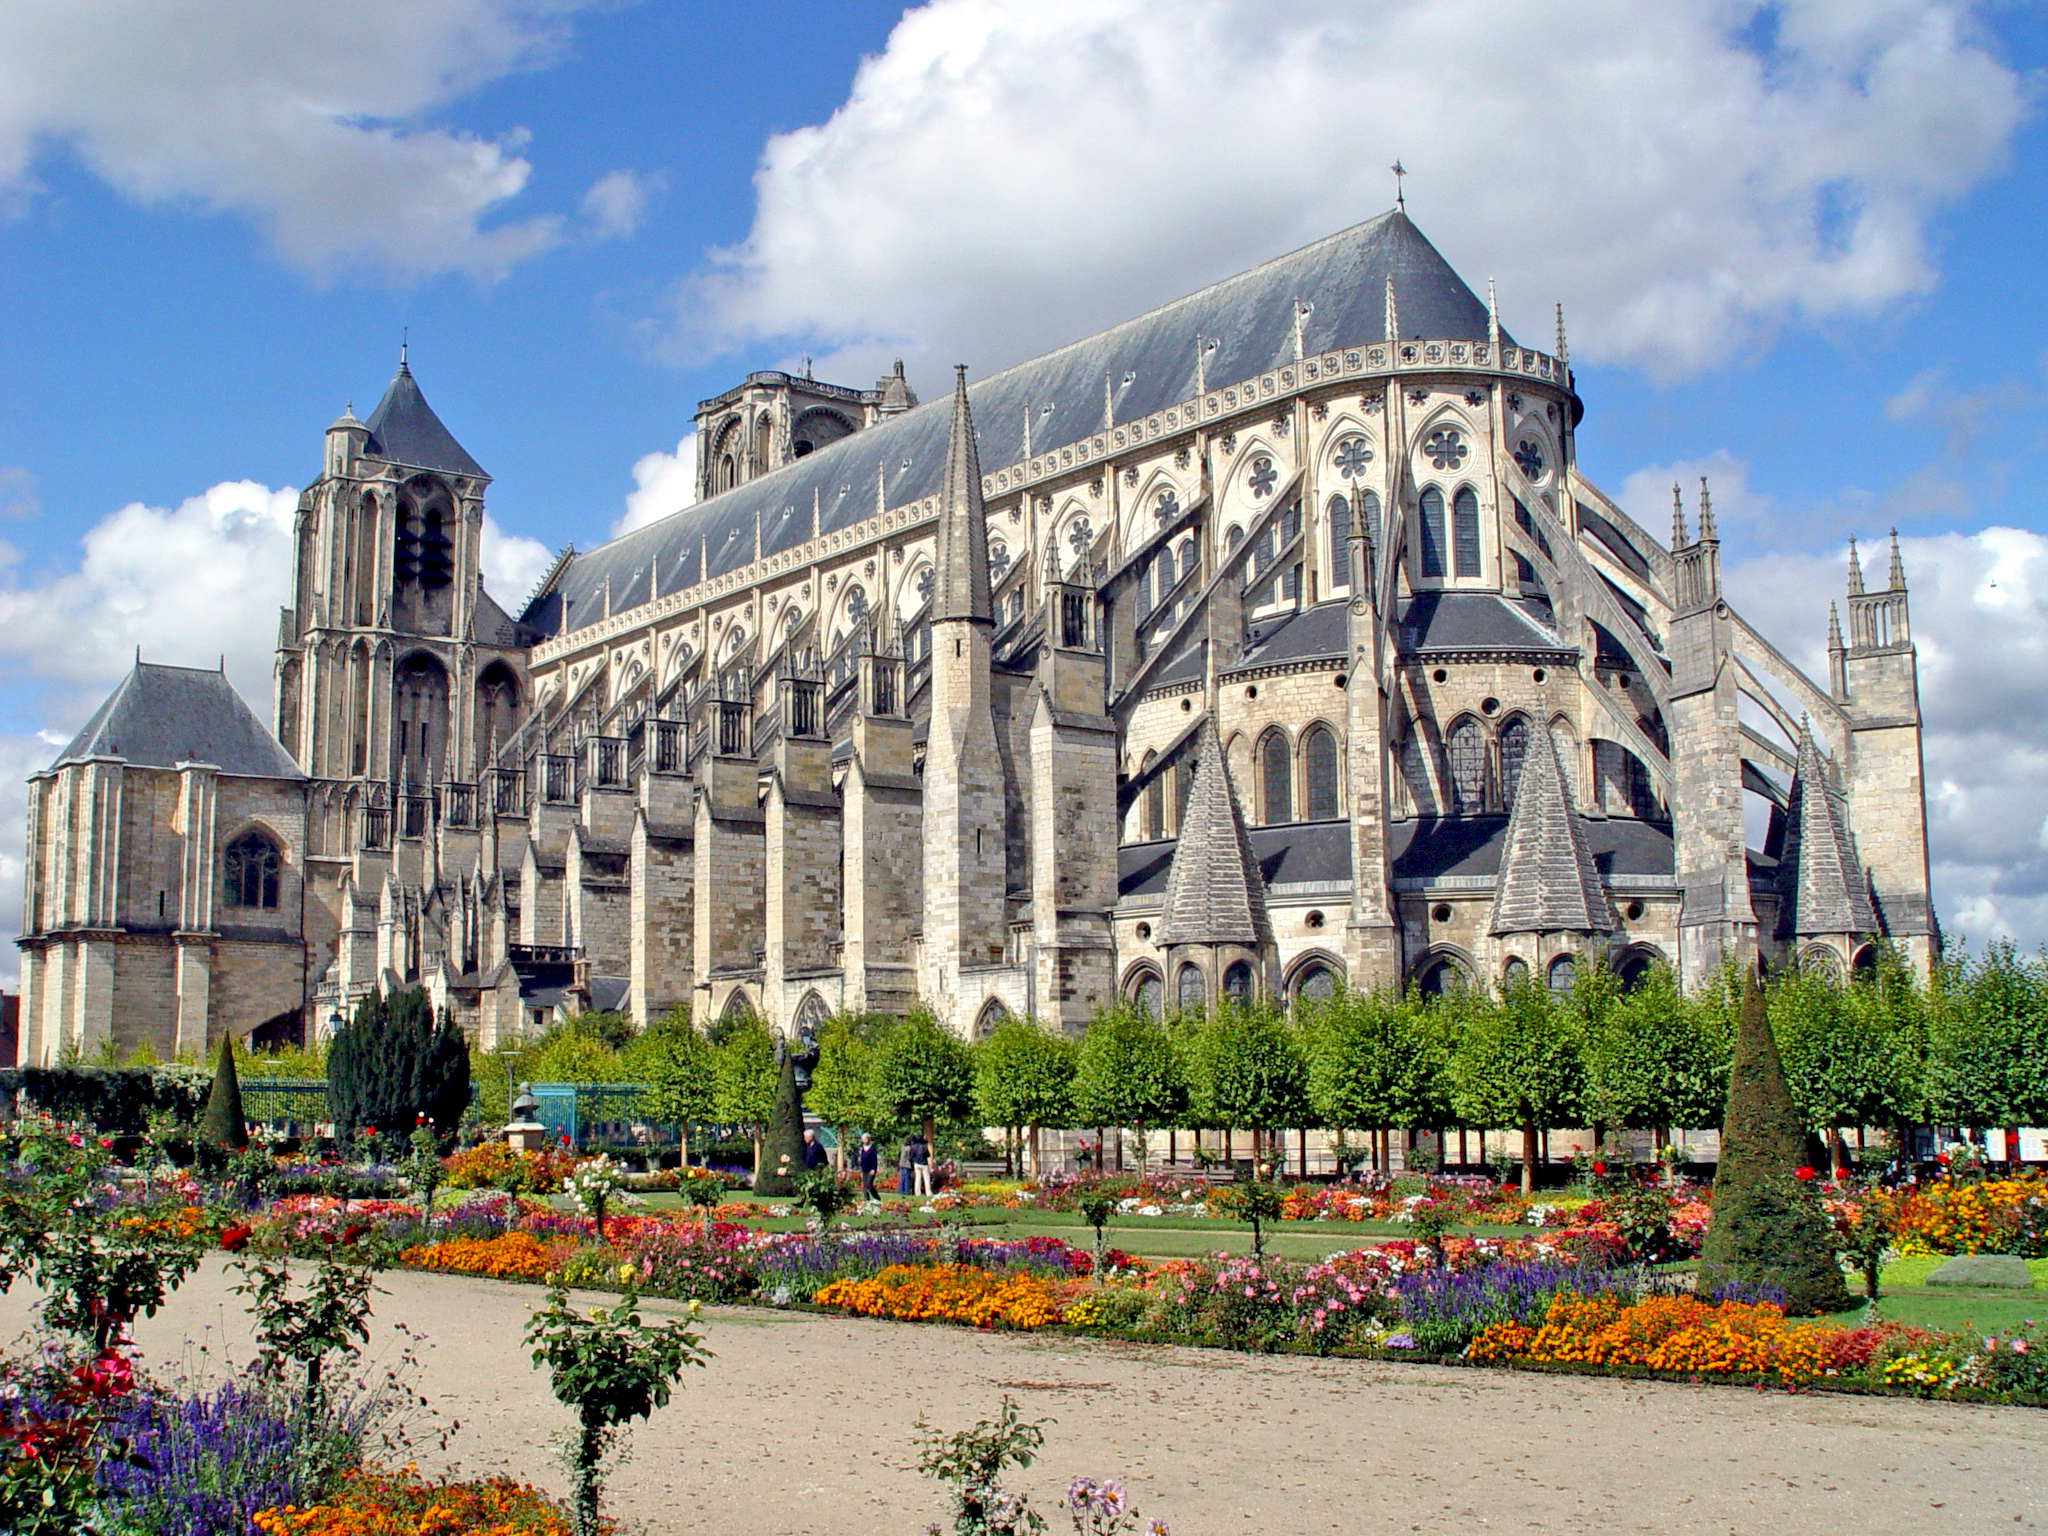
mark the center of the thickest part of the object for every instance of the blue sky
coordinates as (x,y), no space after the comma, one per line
(1797,244)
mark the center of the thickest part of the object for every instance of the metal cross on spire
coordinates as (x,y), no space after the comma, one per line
(1400,195)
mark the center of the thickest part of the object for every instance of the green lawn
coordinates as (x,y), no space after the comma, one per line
(1905,1297)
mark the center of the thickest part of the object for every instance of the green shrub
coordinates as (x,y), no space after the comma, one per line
(393,1063)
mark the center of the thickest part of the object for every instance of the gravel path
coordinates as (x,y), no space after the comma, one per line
(802,1425)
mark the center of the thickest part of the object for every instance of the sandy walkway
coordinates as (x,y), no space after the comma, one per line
(802,1425)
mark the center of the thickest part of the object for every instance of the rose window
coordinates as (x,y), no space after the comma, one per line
(1529,457)
(1446,448)
(1352,457)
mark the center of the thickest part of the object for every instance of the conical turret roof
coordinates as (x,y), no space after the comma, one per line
(962,575)
(405,430)
(1818,873)
(1548,882)
(1215,893)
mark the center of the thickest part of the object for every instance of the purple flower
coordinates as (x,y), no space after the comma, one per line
(1109,1499)
(1080,1493)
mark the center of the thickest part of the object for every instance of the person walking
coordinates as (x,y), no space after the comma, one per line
(814,1152)
(921,1164)
(903,1162)
(870,1163)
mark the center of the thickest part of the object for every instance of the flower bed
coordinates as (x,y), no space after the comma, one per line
(1976,1216)
(511,1256)
(1662,1333)
(372,1503)
(954,1293)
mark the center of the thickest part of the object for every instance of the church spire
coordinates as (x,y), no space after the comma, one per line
(1677,518)
(1548,882)
(1897,583)
(1215,893)
(1707,533)
(1855,569)
(1820,879)
(962,591)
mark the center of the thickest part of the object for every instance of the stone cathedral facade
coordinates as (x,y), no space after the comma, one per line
(1268,641)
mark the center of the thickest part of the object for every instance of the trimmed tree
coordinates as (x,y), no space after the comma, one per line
(1249,1071)
(394,1062)
(1519,1061)
(1987,1049)
(1374,1060)
(680,1070)
(842,1083)
(224,1124)
(782,1162)
(1127,1073)
(1655,1060)
(923,1075)
(1768,1229)
(744,1074)
(1024,1078)
(1849,1058)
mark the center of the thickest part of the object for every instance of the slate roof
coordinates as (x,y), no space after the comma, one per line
(1474,621)
(1312,633)
(1215,893)
(161,716)
(1297,854)
(1819,876)
(405,430)
(1250,317)
(1548,882)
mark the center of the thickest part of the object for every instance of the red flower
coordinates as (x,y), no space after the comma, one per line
(1803,1175)
(350,1233)
(565,1138)
(235,1238)
(106,1141)
(1601,1169)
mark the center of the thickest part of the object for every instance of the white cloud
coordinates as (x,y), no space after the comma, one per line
(1646,494)
(662,483)
(308,119)
(18,493)
(617,201)
(1974,597)
(512,565)
(1686,176)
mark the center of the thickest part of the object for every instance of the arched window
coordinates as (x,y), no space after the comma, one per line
(1155,802)
(1319,772)
(1465,531)
(1233,538)
(1340,542)
(739,1005)
(1369,517)
(1415,773)
(1183,786)
(1192,990)
(497,706)
(993,1013)
(1441,978)
(1290,530)
(1635,969)
(1466,746)
(1514,974)
(1430,536)
(1144,591)
(1514,746)
(1317,982)
(1567,745)
(1276,773)
(420,724)
(1149,994)
(1237,983)
(1562,969)
(249,871)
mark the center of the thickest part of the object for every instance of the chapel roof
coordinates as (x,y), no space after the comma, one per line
(160,716)
(405,430)
(1149,362)
(1215,892)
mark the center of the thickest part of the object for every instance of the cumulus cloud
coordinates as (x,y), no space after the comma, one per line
(662,483)
(308,119)
(511,563)
(616,203)
(1684,176)
(1974,596)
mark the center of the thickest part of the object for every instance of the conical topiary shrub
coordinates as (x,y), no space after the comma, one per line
(782,1148)
(1768,1230)
(225,1125)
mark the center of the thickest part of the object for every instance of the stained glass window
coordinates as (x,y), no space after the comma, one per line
(1151,992)
(1318,981)
(1192,990)
(1340,542)
(1276,770)
(1432,533)
(1237,983)
(1467,748)
(1319,758)
(1465,531)
(1514,747)
(250,869)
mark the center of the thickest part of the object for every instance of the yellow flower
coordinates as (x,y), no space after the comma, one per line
(628,1273)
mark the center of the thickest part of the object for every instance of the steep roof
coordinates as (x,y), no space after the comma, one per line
(1149,362)
(1548,882)
(1214,891)
(405,430)
(1818,873)
(161,716)
(962,573)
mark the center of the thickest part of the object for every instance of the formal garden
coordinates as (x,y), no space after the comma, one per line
(1799,1266)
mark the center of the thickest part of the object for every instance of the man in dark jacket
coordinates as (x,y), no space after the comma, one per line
(870,1163)
(814,1151)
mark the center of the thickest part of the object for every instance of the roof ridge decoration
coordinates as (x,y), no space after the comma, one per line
(1548,882)
(1215,892)
(405,430)
(1818,873)
(962,591)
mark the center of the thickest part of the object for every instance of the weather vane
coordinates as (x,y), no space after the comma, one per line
(1400,197)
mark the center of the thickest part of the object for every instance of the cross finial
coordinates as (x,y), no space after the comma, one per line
(1400,193)
(404,341)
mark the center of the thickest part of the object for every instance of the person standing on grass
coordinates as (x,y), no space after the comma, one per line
(903,1162)
(921,1164)
(814,1151)
(870,1163)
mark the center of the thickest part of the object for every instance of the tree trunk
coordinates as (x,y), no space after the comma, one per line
(1172,1146)
(757,1152)
(1531,1146)
(1838,1153)
(1035,1166)
(1137,1130)
(1301,1146)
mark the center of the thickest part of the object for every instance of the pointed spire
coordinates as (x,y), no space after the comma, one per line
(704,557)
(1548,882)
(1820,879)
(1855,569)
(1898,571)
(1707,534)
(1834,627)
(1564,352)
(1052,562)
(1215,893)
(1492,321)
(1027,424)
(1677,518)
(607,595)
(1393,315)
(962,589)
